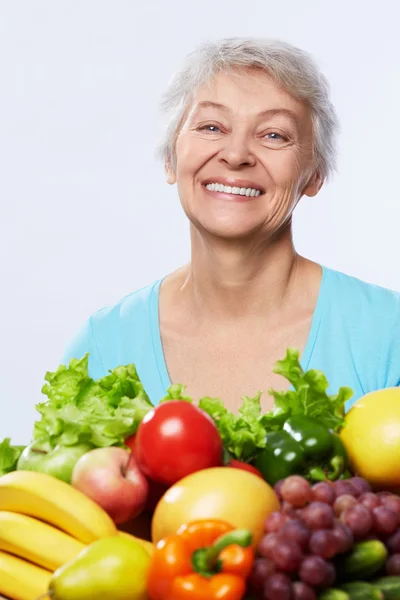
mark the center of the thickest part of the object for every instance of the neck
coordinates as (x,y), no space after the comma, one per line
(247,280)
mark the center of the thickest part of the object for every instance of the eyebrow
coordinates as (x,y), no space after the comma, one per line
(263,114)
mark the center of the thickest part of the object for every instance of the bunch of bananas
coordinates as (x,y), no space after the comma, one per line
(44,523)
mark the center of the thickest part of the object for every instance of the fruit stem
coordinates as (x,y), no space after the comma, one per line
(205,560)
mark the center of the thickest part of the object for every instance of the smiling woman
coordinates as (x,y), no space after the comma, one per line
(250,130)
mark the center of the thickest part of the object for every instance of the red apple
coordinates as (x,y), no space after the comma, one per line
(111,477)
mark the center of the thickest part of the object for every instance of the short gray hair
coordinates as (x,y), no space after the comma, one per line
(292,68)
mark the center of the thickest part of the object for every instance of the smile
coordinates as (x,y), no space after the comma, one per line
(238,191)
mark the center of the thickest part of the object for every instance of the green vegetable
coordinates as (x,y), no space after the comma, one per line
(304,446)
(313,437)
(242,434)
(309,397)
(281,457)
(362,590)
(389,586)
(80,410)
(362,562)
(9,456)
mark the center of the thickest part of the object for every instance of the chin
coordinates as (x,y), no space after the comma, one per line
(227,230)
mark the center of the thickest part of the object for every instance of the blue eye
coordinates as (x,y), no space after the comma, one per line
(274,136)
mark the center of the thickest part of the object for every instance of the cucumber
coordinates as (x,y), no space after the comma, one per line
(361,590)
(362,562)
(389,586)
(333,594)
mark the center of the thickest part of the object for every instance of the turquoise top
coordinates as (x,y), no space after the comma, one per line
(354,337)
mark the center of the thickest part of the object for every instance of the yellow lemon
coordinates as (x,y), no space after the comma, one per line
(372,437)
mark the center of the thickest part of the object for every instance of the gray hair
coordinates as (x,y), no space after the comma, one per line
(292,68)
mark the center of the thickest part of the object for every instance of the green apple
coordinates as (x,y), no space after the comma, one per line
(58,462)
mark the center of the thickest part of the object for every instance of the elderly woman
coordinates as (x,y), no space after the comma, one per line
(250,131)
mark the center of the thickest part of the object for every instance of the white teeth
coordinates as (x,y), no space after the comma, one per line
(227,189)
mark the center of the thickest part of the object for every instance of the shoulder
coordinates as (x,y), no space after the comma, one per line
(357,297)
(117,334)
(364,319)
(134,306)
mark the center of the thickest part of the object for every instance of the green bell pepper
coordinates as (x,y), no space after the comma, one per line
(305,447)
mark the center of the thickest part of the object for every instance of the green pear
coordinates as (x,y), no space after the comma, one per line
(111,568)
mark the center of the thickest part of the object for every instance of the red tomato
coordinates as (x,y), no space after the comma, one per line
(130,442)
(175,439)
(238,464)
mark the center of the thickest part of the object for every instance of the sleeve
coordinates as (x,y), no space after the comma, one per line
(393,370)
(84,342)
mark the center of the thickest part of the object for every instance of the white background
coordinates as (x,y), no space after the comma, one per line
(86,216)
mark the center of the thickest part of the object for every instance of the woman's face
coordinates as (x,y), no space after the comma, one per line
(247,134)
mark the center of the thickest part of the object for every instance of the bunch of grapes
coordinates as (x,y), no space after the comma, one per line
(315,524)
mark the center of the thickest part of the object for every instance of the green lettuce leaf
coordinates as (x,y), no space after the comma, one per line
(176,392)
(309,396)
(9,456)
(80,410)
(242,434)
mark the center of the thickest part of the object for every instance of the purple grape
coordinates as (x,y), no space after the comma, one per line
(344,537)
(288,509)
(359,519)
(296,490)
(297,531)
(343,503)
(278,487)
(318,515)
(278,586)
(393,503)
(385,520)
(274,521)
(303,591)
(360,485)
(317,572)
(324,543)
(369,500)
(323,492)
(393,565)
(393,543)
(384,494)
(262,569)
(343,487)
(287,555)
(267,545)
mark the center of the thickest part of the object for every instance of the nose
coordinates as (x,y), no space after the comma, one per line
(236,152)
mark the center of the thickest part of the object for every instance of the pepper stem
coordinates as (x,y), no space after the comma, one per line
(205,560)
(317,474)
(337,464)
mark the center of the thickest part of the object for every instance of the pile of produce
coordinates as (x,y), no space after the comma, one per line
(298,503)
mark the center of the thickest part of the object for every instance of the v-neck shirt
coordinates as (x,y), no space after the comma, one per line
(354,337)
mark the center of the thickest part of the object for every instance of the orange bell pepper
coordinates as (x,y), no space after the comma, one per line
(205,560)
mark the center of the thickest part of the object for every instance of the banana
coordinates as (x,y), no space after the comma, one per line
(56,502)
(20,580)
(36,541)
(148,546)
